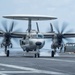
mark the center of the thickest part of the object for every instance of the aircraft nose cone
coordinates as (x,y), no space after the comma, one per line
(38,43)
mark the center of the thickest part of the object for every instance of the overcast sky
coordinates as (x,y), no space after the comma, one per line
(64,10)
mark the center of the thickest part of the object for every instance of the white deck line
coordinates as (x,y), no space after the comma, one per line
(61,60)
(27,70)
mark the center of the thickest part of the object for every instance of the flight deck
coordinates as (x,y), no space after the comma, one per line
(61,64)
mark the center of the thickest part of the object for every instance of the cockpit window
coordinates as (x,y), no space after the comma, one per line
(37,36)
(34,36)
(40,36)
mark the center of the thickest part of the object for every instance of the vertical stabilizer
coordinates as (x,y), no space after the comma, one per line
(37,27)
(51,27)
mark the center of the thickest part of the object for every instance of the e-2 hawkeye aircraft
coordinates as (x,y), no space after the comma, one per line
(32,40)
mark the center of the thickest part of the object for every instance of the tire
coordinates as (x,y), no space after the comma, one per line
(52,54)
(7,53)
(37,55)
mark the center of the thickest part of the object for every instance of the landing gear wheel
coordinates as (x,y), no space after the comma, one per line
(37,55)
(7,53)
(52,54)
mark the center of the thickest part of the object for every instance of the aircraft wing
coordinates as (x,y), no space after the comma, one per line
(21,35)
(69,35)
(66,35)
(18,35)
(13,35)
(1,33)
(48,35)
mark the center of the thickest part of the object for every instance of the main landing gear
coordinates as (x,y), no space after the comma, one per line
(52,53)
(7,51)
(37,55)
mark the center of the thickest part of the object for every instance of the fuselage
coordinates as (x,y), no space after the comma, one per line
(32,41)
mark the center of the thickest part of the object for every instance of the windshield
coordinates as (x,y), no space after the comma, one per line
(37,36)
(34,36)
(40,36)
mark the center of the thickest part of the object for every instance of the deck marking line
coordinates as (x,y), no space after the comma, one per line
(29,70)
(59,60)
(17,67)
(43,72)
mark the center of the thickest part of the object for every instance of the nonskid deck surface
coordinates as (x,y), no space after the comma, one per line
(61,64)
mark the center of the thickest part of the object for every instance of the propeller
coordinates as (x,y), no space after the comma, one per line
(4,23)
(11,27)
(8,32)
(62,31)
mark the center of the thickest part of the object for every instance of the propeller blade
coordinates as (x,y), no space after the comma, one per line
(11,27)
(68,39)
(64,25)
(15,40)
(4,23)
(17,30)
(37,26)
(1,38)
(56,27)
(69,31)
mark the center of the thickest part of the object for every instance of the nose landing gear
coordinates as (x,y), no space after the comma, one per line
(37,54)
